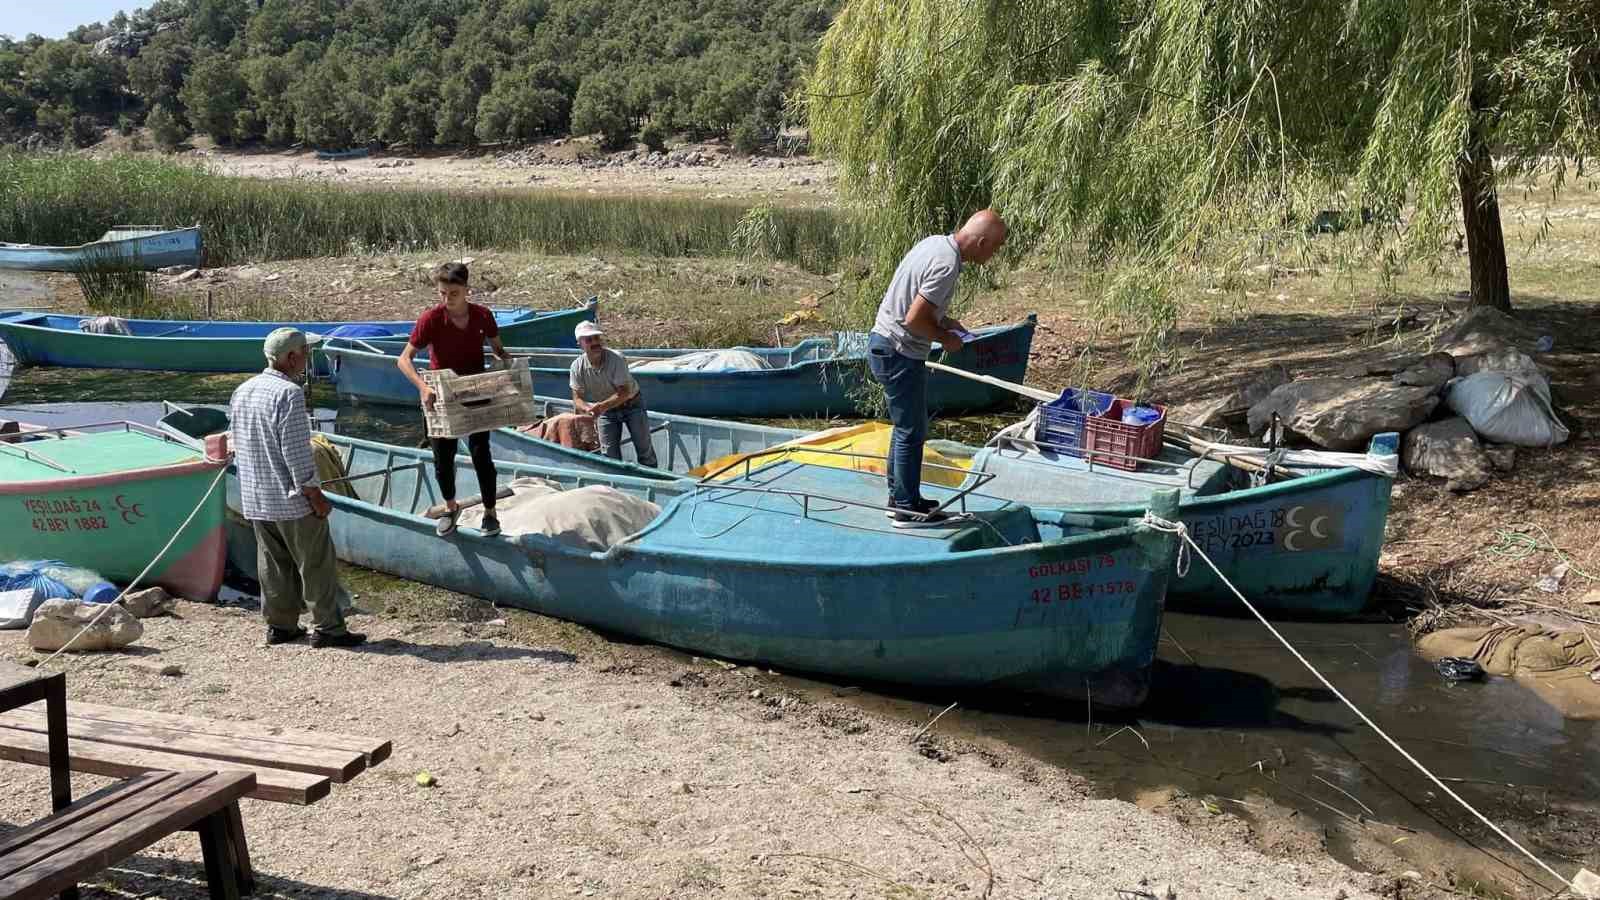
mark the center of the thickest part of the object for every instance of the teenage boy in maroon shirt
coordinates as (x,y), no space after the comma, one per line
(454,333)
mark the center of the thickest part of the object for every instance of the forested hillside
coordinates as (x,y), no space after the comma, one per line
(426,73)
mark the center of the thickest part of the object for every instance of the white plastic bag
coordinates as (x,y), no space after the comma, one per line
(16,607)
(1508,408)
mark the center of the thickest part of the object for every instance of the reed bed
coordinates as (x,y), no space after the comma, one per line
(58,199)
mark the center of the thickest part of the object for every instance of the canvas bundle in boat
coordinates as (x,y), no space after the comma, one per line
(588,518)
(104,325)
(734,360)
(468,404)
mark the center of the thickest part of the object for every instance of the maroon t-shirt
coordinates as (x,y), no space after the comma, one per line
(449,347)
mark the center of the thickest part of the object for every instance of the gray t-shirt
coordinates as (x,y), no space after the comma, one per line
(930,269)
(596,383)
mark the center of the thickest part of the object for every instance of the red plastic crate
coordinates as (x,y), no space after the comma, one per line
(1109,441)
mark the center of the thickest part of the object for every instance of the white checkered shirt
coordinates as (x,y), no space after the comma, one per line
(272,448)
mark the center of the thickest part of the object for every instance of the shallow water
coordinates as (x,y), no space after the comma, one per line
(1232,716)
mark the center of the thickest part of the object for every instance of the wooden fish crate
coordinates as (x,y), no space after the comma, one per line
(467,404)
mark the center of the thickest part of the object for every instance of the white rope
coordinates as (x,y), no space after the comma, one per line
(1156,522)
(158,557)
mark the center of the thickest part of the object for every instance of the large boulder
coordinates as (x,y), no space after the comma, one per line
(1483,328)
(1448,449)
(1430,371)
(56,622)
(1231,409)
(1344,413)
(149,603)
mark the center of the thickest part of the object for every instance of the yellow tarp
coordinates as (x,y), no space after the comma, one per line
(868,440)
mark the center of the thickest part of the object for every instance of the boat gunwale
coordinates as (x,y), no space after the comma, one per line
(682,492)
(523,315)
(91,245)
(990,332)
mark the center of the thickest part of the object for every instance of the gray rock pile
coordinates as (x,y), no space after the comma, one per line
(1461,408)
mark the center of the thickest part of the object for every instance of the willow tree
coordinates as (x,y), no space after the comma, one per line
(1145,137)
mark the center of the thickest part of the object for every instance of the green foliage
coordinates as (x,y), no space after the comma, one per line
(68,200)
(1136,138)
(213,96)
(428,72)
(168,130)
(748,137)
(601,107)
(653,138)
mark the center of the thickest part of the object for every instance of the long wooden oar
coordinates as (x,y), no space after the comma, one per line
(1024,390)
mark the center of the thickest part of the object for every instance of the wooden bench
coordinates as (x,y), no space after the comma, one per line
(287,765)
(106,827)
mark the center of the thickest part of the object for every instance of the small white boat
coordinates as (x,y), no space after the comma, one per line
(129,246)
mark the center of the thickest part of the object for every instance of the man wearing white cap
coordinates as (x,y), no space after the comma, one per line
(283,500)
(603,387)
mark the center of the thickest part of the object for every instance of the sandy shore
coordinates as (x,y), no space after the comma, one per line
(568,768)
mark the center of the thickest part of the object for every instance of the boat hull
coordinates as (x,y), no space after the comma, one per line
(1305,547)
(179,247)
(117,524)
(830,387)
(49,340)
(1071,618)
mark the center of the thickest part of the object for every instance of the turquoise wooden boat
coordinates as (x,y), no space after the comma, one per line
(109,497)
(785,569)
(1306,546)
(123,247)
(46,339)
(817,377)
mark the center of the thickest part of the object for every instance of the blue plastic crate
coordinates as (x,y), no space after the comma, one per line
(1061,421)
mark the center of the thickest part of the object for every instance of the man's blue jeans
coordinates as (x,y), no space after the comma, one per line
(636,419)
(905,381)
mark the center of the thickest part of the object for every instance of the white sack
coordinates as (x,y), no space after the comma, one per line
(1508,408)
(104,325)
(588,518)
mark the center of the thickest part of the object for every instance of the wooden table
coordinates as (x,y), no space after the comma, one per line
(19,686)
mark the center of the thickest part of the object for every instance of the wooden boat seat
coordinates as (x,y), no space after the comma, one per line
(106,827)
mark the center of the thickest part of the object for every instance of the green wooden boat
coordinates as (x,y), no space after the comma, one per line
(109,497)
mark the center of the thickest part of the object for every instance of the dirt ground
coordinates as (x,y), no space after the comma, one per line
(568,765)
(706,170)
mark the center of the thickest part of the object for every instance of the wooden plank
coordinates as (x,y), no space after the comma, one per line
(142,793)
(94,758)
(340,765)
(376,750)
(120,834)
(83,808)
(438,509)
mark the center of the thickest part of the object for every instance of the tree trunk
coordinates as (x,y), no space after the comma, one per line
(1486,241)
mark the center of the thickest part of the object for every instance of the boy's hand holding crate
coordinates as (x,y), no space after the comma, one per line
(466,404)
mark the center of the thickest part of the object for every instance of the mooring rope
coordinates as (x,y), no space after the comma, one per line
(157,558)
(1182,531)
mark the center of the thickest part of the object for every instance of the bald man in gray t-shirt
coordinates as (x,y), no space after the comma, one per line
(915,313)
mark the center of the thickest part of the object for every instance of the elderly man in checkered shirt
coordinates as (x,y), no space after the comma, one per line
(283,498)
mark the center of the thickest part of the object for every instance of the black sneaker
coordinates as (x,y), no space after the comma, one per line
(929,519)
(276,635)
(490,526)
(446,525)
(923,506)
(342,639)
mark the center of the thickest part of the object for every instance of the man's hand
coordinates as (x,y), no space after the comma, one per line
(583,407)
(950,342)
(320,507)
(428,398)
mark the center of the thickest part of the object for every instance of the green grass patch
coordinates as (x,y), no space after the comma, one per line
(69,200)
